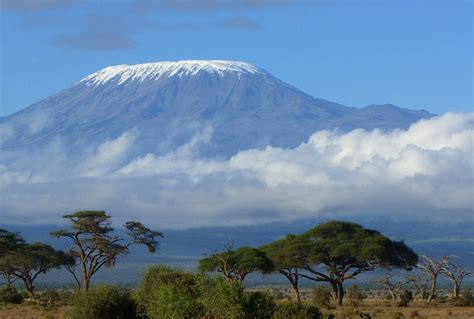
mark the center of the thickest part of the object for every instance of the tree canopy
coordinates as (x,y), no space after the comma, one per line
(235,265)
(289,255)
(346,249)
(27,261)
(96,246)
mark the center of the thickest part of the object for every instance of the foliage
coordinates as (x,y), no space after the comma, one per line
(10,295)
(27,261)
(103,302)
(235,265)
(49,295)
(466,299)
(288,255)
(321,297)
(9,241)
(259,305)
(168,293)
(95,246)
(405,298)
(355,295)
(221,299)
(290,310)
(347,249)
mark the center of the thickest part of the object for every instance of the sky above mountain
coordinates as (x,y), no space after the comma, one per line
(413,54)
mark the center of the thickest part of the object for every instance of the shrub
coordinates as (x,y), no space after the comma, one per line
(321,297)
(466,299)
(169,293)
(355,296)
(290,310)
(405,298)
(221,299)
(103,302)
(259,305)
(49,295)
(10,295)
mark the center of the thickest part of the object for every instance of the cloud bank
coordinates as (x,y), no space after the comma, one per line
(425,172)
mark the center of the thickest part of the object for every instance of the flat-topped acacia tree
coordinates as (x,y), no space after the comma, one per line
(235,265)
(27,261)
(339,251)
(289,255)
(95,245)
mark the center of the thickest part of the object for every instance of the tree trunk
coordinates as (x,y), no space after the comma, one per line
(297,293)
(433,289)
(340,297)
(29,287)
(85,283)
(335,293)
(456,289)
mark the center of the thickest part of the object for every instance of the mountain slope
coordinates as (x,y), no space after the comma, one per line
(169,102)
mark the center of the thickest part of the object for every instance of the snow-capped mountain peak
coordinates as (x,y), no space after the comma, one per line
(150,71)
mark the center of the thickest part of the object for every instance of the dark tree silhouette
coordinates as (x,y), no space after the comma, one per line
(95,246)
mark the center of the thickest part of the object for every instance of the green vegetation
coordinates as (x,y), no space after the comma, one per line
(329,254)
(321,297)
(355,295)
(25,262)
(288,310)
(235,265)
(10,295)
(103,302)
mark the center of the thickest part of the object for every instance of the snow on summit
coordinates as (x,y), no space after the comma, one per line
(149,71)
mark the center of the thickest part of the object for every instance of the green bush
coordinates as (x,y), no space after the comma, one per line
(103,302)
(259,305)
(10,295)
(355,295)
(169,293)
(221,299)
(321,297)
(290,310)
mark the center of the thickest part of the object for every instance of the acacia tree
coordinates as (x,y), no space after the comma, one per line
(456,274)
(392,287)
(27,261)
(9,241)
(95,245)
(340,251)
(433,268)
(235,265)
(288,256)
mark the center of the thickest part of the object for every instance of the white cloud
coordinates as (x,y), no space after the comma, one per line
(423,172)
(109,154)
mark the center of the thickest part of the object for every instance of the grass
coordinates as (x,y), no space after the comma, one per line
(28,311)
(376,309)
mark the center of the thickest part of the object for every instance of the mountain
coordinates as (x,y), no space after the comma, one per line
(167,103)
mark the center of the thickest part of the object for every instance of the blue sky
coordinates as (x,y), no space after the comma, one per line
(408,53)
